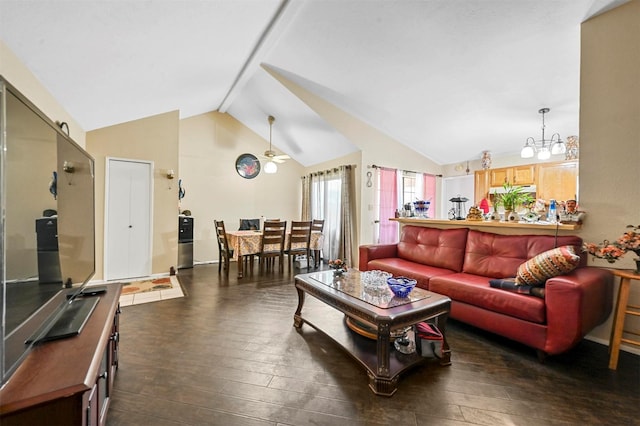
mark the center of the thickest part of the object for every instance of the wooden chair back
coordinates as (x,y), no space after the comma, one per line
(224,254)
(299,240)
(300,236)
(273,237)
(317,225)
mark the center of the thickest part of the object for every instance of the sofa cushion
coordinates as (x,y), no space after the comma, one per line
(442,248)
(549,264)
(475,290)
(406,268)
(499,256)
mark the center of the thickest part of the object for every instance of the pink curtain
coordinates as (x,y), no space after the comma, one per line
(388,205)
(429,185)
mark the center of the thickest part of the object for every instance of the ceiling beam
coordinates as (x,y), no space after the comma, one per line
(279,22)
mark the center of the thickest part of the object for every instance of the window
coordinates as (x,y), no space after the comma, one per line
(408,188)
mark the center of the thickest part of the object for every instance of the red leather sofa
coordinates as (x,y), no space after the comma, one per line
(460,262)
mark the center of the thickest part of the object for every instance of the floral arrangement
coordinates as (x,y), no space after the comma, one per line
(337,264)
(628,241)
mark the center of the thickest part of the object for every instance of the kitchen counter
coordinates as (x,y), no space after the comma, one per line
(492,226)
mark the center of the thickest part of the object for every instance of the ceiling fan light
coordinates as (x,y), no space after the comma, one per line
(270,167)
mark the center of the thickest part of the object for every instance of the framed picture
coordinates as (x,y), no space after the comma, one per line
(248,166)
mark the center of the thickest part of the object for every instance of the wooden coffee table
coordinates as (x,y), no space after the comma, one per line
(379,310)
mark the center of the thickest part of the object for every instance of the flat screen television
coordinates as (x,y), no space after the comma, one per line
(48,229)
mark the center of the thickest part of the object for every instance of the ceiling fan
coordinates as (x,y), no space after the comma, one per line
(270,154)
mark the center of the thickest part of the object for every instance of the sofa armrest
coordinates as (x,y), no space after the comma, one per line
(376,251)
(575,304)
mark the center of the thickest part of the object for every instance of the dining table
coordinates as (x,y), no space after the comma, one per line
(247,243)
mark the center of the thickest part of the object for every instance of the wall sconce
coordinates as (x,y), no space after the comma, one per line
(170,175)
(68,167)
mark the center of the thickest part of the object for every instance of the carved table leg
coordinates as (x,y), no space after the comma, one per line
(441,322)
(297,318)
(380,383)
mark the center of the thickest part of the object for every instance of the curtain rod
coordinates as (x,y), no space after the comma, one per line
(373,166)
(332,170)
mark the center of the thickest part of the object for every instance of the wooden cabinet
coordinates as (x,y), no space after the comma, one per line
(557,181)
(500,176)
(524,175)
(481,186)
(517,175)
(68,381)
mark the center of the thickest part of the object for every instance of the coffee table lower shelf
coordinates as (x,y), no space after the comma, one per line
(332,324)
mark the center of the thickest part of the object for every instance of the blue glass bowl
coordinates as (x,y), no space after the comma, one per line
(401,286)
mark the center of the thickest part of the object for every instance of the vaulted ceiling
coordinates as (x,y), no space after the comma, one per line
(447,78)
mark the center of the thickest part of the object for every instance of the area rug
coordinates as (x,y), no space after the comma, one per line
(150,290)
(144,286)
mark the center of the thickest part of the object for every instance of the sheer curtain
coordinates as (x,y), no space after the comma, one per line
(330,195)
(429,192)
(388,193)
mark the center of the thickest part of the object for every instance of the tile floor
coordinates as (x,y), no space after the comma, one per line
(152,296)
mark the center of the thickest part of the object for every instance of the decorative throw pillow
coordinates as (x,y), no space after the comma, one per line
(551,263)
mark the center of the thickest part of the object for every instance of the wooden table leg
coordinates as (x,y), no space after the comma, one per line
(297,317)
(240,265)
(618,322)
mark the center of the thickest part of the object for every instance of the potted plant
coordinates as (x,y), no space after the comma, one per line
(512,198)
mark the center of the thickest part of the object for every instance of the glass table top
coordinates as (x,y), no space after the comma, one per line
(380,296)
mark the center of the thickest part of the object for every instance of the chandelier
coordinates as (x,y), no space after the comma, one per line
(544,148)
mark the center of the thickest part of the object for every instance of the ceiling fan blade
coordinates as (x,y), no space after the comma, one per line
(282,157)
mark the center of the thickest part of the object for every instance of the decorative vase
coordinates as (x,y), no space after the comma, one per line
(338,272)
(495,216)
(512,216)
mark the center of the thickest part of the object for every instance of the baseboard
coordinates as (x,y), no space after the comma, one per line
(103,281)
(623,347)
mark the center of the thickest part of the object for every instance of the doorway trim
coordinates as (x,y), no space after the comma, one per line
(106,213)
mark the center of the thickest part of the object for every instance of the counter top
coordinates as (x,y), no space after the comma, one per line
(545,227)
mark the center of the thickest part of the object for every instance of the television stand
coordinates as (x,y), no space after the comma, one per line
(71,322)
(68,381)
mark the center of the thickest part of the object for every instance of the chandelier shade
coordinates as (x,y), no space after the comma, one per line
(543,148)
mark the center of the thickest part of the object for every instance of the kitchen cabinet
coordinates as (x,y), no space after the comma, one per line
(557,181)
(481,186)
(516,175)
(68,381)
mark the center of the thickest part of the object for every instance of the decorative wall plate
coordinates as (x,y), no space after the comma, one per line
(248,166)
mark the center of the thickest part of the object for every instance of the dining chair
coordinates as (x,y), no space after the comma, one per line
(249,225)
(224,254)
(299,239)
(272,247)
(317,225)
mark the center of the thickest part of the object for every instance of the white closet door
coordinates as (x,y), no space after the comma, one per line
(128,222)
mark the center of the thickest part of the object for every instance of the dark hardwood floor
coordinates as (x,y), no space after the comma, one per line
(228,354)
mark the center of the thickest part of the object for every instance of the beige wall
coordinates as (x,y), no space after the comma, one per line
(151,139)
(610,132)
(16,73)
(209,146)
